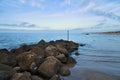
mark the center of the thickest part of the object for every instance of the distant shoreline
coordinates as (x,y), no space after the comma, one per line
(111,32)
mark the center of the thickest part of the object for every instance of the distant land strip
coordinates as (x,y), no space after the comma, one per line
(110,32)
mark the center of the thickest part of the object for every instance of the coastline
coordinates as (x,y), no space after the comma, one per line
(109,32)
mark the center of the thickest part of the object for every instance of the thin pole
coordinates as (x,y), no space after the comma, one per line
(68,35)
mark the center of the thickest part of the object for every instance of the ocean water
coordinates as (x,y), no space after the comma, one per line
(101,52)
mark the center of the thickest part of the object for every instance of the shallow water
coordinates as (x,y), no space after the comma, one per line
(101,52)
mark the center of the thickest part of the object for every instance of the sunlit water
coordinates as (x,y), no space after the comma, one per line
(101,52)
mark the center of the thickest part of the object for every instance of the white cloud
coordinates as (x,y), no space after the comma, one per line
(88,7)
(36,4)
(67,2)
(23,1)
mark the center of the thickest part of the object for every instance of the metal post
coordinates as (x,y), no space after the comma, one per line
(68,35)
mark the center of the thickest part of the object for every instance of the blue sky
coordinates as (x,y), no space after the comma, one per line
(59,14)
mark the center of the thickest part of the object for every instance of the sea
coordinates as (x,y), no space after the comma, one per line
(101,51)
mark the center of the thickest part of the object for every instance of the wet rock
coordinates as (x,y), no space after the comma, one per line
(77,53)
(25,60)
(17,69)
(69,45)
(82,45)
(86,33)
(56,77)
(4,51)
(33,67)
(62,50)
(71,60)
(42,44)
(21,76)
(3,57)
(64,71)
(51,51)
(36,78)
(5,72)
(37,50)
(39,60)
(72,46)
(49,67)
(7,58)
(22,49)
(62,58)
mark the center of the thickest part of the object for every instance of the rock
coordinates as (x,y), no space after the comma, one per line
(71,60)
(7,58)
(82,45)
(49,67)
(36,78)
(72,46)
(86,33)
(62,50)
(21,76)
(25,60)
(64,71)
(39,60)
(37,50)
(62,58)
(4,51)
(4,57)
(33,67)
(42,44)
(52,42)
(17,69)
(22,49)
(6,72)
(69,45)
(51,51)
(77,53)
(56,77)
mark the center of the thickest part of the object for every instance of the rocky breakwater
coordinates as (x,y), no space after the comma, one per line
(41,61)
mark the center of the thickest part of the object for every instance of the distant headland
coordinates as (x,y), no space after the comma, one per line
(109,32)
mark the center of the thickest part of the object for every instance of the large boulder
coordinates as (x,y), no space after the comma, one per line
(62,50)
(49,67)
(64,71)
(42,44)
(69,45)
(37,50)
(62,58)
(4,51)
(26,59)
(51,51)
(73,46)
(20,50)
(7,58)
(39,60)
(6,72)
(4,56)
(21,76)
(33,77)
(71,60)
(56,77)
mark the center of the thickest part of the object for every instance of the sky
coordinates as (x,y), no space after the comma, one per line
(59,14)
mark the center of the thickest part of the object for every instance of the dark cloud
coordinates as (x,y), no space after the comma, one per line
(23,24)
(107,14)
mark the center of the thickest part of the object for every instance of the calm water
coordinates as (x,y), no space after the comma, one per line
(102,52)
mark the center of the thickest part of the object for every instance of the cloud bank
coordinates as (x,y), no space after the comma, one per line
(23,24)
